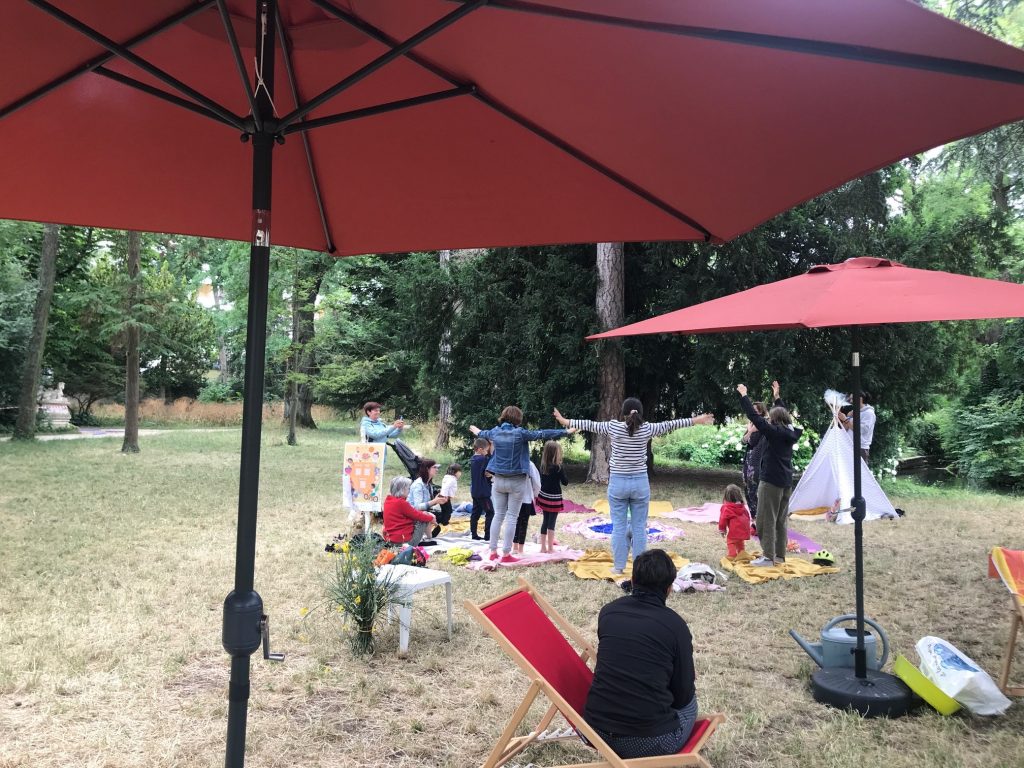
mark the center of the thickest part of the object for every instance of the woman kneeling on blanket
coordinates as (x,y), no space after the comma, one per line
(642,701)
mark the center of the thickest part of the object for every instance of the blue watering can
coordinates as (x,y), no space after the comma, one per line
(838,644)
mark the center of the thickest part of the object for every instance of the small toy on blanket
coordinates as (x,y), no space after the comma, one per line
(597,564)
(793,568)
(598,527)
(654,508)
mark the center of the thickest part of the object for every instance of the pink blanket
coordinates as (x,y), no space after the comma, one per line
(705,513)
(527,559)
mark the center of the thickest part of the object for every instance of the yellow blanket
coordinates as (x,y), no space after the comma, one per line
(656,508)
(793,568)
(457,525)
(597,564)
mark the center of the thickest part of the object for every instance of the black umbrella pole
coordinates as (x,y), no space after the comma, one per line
(859,510)
(243,607)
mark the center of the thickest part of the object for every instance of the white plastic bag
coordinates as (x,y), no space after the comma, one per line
(959,677)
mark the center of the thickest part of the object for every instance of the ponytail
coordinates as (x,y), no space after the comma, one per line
(632,414)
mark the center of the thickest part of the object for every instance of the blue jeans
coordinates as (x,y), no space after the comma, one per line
(629,497)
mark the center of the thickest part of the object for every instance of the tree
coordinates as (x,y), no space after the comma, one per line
(131,331)
(611,367)
(25,426)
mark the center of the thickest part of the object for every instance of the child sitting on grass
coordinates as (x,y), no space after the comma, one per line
(449,487)
(734,521)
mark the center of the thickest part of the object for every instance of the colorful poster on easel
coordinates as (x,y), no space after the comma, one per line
(362,476)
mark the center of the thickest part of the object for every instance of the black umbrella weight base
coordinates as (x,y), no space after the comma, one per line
(879,694)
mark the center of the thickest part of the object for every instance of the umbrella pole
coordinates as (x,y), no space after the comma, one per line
(859,511)
(244,621)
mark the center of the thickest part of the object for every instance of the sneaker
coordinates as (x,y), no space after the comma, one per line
(494,556)
(762,562)
(509,559)
(779,561)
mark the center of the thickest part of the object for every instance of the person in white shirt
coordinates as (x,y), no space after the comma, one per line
(867,425)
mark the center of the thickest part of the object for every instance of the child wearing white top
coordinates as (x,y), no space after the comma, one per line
(449,488)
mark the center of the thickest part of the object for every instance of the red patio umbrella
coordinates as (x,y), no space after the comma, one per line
(861,291)
(397,125)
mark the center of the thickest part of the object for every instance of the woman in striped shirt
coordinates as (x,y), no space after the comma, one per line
(629,491)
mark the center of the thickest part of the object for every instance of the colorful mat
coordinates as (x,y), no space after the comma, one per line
(656,508)
(800,543)
(572,508)
(793,568)
(600,528)
(531,556)
(705,513)
(597,564)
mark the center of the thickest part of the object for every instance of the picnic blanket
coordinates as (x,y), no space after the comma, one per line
(1008,565)
(654,509)
(531,556)
(600,528)
(706,513)
(799,543)
(571,507)
(793,568)
(597,564)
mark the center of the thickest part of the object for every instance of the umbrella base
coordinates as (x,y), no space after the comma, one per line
(877,695)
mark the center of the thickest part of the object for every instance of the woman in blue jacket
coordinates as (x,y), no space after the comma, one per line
(509,465)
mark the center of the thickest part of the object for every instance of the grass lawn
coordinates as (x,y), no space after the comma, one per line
(115,567)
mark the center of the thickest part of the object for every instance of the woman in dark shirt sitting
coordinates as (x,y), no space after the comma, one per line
(642,701)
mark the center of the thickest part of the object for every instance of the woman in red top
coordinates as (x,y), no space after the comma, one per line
(402,521)
(734,521)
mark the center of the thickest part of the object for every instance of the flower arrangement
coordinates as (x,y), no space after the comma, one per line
(359,593)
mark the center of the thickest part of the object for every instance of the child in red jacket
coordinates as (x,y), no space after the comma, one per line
(734,522)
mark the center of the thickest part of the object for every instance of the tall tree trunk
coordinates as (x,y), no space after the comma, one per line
(28,400)
(611,364)
(444,408)
(309,278)
(131,379)
(291,398)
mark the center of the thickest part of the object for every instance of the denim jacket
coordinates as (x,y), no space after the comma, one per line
(512,447)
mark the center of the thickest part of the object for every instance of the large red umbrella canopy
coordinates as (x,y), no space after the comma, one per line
(575,120)
(861,291)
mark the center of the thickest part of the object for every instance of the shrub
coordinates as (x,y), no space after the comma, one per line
(217,392)
(987,442)
(925,434)
(708,446)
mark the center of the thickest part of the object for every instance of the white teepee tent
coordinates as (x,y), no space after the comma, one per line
(827,483)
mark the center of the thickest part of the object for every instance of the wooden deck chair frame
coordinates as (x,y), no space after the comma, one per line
(509,745)
(1017,619)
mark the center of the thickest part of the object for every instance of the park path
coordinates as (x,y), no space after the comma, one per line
(118,432)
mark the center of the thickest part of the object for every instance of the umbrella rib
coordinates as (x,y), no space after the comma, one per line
(522,121)
(397,51)
(236,52)
(122,52)
(391,106)
(98,61)
(780,42)
(286,57)
(177,101)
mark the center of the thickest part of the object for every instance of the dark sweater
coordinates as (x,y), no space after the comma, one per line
(552,481)
(479,483)
(777,459)
(644,670)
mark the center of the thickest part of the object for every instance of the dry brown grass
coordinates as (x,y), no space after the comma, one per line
(193,413)
(115,568)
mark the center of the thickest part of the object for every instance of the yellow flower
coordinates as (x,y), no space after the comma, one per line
(344,547)
(303,611)
(359,599)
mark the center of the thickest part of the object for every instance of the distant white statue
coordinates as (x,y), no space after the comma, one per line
(53,405)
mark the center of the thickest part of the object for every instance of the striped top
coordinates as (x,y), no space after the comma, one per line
(629,452)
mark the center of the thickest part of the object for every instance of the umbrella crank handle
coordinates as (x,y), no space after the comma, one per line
(265,633)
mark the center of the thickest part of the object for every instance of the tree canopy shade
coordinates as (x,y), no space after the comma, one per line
(778,103)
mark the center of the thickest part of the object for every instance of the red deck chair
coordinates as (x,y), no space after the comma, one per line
(1008,565)
(531,631)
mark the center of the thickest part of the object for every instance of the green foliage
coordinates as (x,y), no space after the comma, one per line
(708,446)
(217,392)
(924,434)
(20,244)
(987,441)
(356,592)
